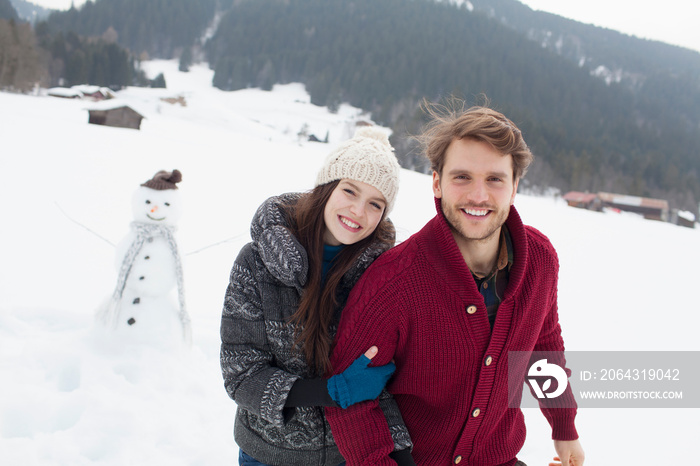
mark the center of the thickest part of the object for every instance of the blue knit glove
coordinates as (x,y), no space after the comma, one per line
(359,382)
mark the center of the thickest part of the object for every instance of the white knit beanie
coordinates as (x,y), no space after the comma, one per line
(367,157)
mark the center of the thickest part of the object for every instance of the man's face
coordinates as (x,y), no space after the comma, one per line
(476,188)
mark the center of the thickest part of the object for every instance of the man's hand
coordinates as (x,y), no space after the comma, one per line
(570,453)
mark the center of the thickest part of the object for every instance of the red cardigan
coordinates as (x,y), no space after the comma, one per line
(414,304)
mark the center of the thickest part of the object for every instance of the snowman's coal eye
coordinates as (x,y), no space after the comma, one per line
(147,201)
(167,204)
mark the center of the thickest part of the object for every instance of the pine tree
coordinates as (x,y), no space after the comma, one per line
(159,81)
(185,59)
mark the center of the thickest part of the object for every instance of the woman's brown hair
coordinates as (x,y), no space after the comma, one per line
(319,299)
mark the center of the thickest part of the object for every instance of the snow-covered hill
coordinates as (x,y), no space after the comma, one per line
(70,396)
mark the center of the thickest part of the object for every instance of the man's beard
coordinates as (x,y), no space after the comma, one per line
(459,223)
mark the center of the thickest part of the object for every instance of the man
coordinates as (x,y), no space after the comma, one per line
(449,304)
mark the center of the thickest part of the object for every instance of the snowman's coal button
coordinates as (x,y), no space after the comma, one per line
(141,277)
(136,301)
(131,321)
(147,257)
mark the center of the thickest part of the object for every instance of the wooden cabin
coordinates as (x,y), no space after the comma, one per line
(683,218)
(120,116)
(95,93)
(652,209)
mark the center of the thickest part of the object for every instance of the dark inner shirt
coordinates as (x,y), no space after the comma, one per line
(493,286)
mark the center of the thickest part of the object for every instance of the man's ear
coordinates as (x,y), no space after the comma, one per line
(437,192)
(515,191)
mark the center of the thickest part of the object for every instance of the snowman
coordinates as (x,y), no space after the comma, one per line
(149,267)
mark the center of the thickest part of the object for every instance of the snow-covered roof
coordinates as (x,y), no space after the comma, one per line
(112,104)
(86,89)
(64,92)
(89,89)
(686,215)
(627,200)
(622,199)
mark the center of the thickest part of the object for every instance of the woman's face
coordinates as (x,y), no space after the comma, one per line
(352,212)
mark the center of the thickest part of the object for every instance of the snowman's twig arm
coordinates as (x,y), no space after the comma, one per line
(215,244)
(80,224)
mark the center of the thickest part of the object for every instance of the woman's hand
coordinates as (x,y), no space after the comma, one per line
(359,382)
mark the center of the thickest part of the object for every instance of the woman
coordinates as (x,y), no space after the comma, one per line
(283,304)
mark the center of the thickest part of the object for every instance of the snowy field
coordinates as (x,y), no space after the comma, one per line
(72,395)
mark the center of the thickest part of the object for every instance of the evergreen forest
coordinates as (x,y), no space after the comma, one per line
(7,11)
(148,28)
(386,56)
(602,111)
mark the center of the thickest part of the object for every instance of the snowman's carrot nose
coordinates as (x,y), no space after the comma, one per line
(155,208)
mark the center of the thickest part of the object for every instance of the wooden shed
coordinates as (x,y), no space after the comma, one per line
(120,116)
(683,218)
(652,209)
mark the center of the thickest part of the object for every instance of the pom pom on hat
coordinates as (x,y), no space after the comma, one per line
(367,157)
(164,180)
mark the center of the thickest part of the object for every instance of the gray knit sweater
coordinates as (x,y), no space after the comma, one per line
(258,359)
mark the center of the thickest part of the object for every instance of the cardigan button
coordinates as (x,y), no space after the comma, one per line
(476,412)
(458,459)
(471,309)
(488,360)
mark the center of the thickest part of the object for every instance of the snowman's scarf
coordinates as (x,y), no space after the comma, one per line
(144,231)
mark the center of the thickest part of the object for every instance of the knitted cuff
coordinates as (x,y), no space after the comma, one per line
(563,426)
(339,391)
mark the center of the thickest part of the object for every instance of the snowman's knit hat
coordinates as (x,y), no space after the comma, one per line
(367,157)
(164,180)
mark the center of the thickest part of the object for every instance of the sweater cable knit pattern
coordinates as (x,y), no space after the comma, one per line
(419,304)
(258,359)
